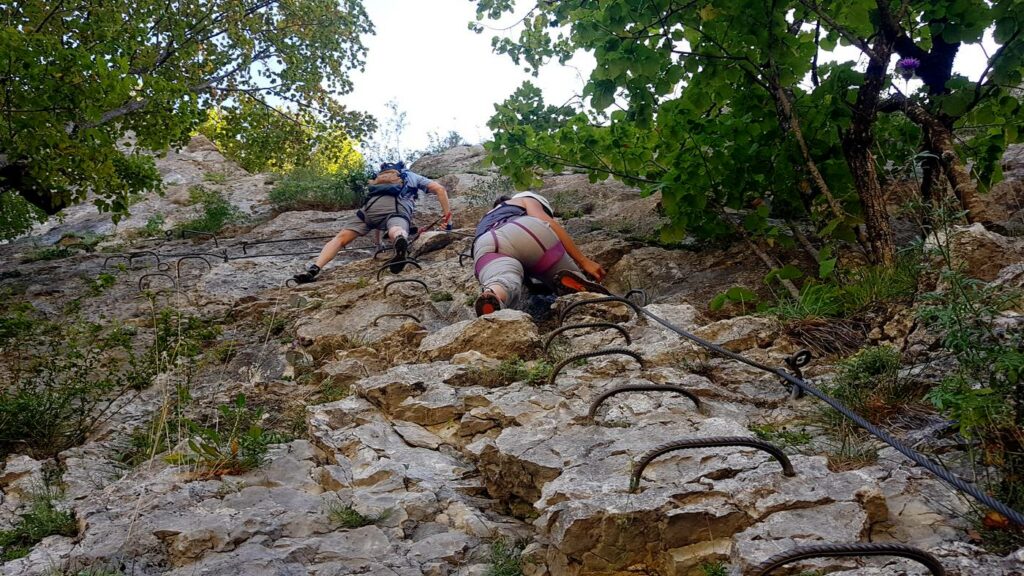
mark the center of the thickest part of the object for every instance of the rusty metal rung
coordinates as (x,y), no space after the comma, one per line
(714,442)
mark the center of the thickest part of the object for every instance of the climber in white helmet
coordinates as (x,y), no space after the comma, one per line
(518,237)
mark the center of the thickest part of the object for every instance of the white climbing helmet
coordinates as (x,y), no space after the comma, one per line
(543,201)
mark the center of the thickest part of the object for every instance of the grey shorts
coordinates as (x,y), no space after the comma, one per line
(380,213)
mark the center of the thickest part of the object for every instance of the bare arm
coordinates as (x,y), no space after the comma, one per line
(534,208)
(442,196)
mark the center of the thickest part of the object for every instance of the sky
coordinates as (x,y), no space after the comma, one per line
(443,75)
(446,77)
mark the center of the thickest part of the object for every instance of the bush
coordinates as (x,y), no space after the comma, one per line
(506,559)
(306,189)
(217,211)
(346,516)
(68,381)
(860,290)
(236,445)
(42,519)
(868,383)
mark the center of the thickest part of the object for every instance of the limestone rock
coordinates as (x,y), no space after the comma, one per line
(984,254)
(504,334)
(740,333)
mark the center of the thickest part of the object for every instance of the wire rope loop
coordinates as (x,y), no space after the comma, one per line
(672,388)
(389,264)
(607,325)
(396,315)
(183,258)
(638,292)
(156,274)
(406,280)
(849,550)
(714,442)
(602,352)
(565,312)
(463,255)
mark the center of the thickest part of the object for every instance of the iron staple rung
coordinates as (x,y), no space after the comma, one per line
(849,550)
(596,404)
(918,458)
(714,442)
(605,325)
(602,352)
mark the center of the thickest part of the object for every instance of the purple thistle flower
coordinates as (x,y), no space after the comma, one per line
(906,67)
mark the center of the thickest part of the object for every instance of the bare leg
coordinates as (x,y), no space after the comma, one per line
(498,291)
(395,231)
(332,248)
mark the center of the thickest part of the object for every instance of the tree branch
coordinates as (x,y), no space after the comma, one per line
(860,43)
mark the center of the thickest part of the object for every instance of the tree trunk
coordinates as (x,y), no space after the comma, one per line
(857,143)
(876,216)
(939,139)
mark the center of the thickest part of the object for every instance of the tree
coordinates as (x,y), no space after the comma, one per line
(727,106)
(86,88)
(264,139)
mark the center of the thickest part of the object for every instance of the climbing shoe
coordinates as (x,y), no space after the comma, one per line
(308,276)
(569,282)
(401,253)
(486,303)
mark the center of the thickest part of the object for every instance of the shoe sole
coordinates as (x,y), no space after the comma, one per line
(401,251)
(486,304)
(576,284)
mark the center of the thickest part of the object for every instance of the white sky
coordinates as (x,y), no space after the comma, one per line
(446,77)
(443,75)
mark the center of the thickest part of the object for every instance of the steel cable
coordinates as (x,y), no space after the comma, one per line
(920,459)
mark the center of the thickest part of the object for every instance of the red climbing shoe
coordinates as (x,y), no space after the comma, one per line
(486,303)
(569,282)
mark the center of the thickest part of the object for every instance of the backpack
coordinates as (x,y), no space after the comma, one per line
(391,181)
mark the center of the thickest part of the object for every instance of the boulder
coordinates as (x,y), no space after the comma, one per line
(504,334)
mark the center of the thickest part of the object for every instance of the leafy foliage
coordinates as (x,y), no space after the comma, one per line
(42,519)
(261,139)
(217,211)
(505,559)
(983,395)
(66,382)
(84,80)
(346,516)
(305,189)
(235,445)
(729,111)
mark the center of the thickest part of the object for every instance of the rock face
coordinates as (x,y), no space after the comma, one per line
(417,434)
